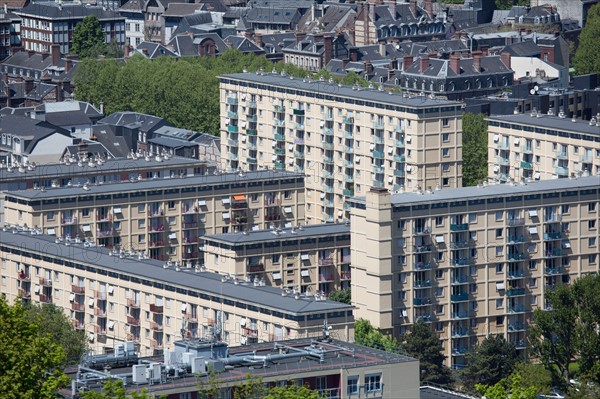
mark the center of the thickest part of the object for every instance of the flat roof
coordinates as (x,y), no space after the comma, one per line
(308,231)
(155,184)
(153,270)
(112,165)
(333,89)
(548,122)
(492,191)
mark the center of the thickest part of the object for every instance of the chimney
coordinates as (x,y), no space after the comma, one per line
(371,13)
(353,54)
(428,7)
(392,6)
(300,36)
(424,63)
(258,40)
(59,93)
(413,7)
(477,61)
(455,63)
(69,64)
(382,50)
(30,53)
(28,85)
(407,61)
(328,49)
(6,89)
(505,57)
(55,51)
(126,51)
(368,67)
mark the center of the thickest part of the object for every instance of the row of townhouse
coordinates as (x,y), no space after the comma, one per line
(152,303)
(472,261)
(346,139)
(536,146)
(162,219)
(312,258)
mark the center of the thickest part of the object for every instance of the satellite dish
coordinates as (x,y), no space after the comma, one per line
(532,91)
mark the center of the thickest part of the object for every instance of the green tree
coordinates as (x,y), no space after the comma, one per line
(30,363)
(293,391)
(489,362)
(365,334)
(531,374)
(88,39)
(114,389)
(422,343)
(474,147)
(53,322)
(343,296)
(511,387)
(507,4)
(586,56)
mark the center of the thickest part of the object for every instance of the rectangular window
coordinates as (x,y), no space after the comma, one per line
(373,383)
(499,303)
(592,207)
(352,385)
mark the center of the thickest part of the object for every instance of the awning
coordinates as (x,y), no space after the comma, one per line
(226,215)
(184,307)
(291,147)
(533,230)
(36,289)
(111,324)
(243,124)
(439,239)
(86,228)
(474,235)
(390,150)
(91,303)
(243,139)
(242,321)
(201,202)
(226,120)
(287,209)
(51,231)
(566,244)
(496,169)
(117,210)
(404,313)
(110,289)
(322,195)
(390,179)
(239,197)
(357,160)
(340,214)
(517,141)
(532,213)
(91,337)
(71,297)
(496,137)
(304,256)
(500,286)
(274,158)
(304,273)
(408,168)
(408,138)
(276,276)
(225,201)
(322,124)
(536,176)
(172,236)
(372,147)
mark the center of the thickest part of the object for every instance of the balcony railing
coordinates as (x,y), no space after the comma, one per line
(156,326)
(325,261)
(422,248)
(561,171)
(516,309)
(156,308)
(514,327)
(464,296)
(78,307)
(133,321)
(251,332)
(77,324)
(24,293)
(133,338)
(68,221)
(459,226)
(461,315)
(132,303)
(77,289)
(421,301)
(100,312)
(255,268)
(45,298)
(553,236)
(104,233)
(22,276)
(515,291)
(515,221)
(346,275)
(45,282)
(552,271)
(326,277)
(100,330)
(422,283)
(422,266)
(100,295)
(190,255)
(103,217)
(555,253)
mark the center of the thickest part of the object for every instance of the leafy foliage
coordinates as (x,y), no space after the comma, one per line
(365,334)
(30,363)
(53,322)
(114,389)
(254,388)
(586,56)
(507,4)
(292,392)
(511,387)
(343,296)
(474,149)
(533,375)
(88,39)
(489,362)
(422,343)
(570,330)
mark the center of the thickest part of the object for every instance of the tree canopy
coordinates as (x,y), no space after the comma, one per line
(30,362)
(489,362)
(343,296)
(88,38)
(365,334)
(507,4)
(422,343)
(509,388)
(114,389)
(474,142)
(586,56)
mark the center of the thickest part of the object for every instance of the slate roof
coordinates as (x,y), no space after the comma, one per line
(186,45)
(92,148)
(441,67)
(213,5)
(175,132)
(243,44)
(431,392)
(171,142)
(182,9)
(51,10)
(272,15)
(208,140)
(64,106)
(153,50)
(68,118)
(277,41)
(133,6)
(261,236)
(404,15)
(117,145)
(522,49)
(31,130)
(189,21)
(133,119)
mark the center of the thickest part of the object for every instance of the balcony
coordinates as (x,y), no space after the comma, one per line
(421,301)
(78,307)
(328,117)
(232,100)
(377,139)
(378,154)
(78,324)
(377,125)
(100,312)
(459,297)
(191,317)
(45,282)
(516,257)
(22,276)
(251,132)
(190,255)
(526,165)
(458,262)
(325,261)
(515,274)
(299,154)
(348,134)
(279,137)
(460,332)
(68,221)
(324,278)
(502,161)
(459,226)
(460,351)
(251,160)
(515,292)
(378,168)
(327,131)
(328,203)
(515,327)
(554,253)
(348,193)
(232,129)
(298,111)
(133,321)
(515,222)
(348,178)
(132,303)
(155,308)
(255,268)
(516,239)
(155,344)
(279,165)
(562,154)
(272,217)
(251,332)
(422,230)
(553,271)
(553,236)
(104,217)
(461,244)
(516,309)
(327,146)
(553,218)
(587,158)
(189,225)
(399,158)
(460,315)
(25,294)
(105,233)
(398,143)
(100,295)
(156,243)
(422,266)
(527,149)
(346,276)
(457,280)
(503,145)
(232,115)
(348,120)
(133,338)
(252,117)
(327,159)
(422,248)
(298,126)
(156,326)
(279,108)
(77,289)
(561,171)
(422,284)
(348,149)
(45,298)
(156,228)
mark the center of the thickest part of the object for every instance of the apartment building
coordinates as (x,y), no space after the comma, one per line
(312,258)
(345,139)
(472,261)
(538,147)
(162,219)
(115,298)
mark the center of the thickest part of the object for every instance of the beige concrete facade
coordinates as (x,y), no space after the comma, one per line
(471,261)
(163,219)
(344,139)
(312,258)
(534,146)
(115,299)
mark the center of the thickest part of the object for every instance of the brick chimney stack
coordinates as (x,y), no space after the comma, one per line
(392,6)
(505,57)
(455,63)
(424,63)
(55,51)
(368,67)
(428,7)
(407,61)
(413,7)
(477,61)
(328,49)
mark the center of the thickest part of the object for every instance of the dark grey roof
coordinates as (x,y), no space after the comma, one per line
(440,67)
(308,231)
(155,184)
(243,44)
(404,15)
(64,106)
(340,91)
(208,139)
(152,50)
(176,133)
(181,9)
(549,122)
(92,148)
(110,165)
(171,142)
(431,392)
(152,270)
(213,5)
(51,10)
(133,119)
(133,6)
(526,48)
(68,118)
(273,15)
(28,129)
(492,191)
(119,145)
(40,91)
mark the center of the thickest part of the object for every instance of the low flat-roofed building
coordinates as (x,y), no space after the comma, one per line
(472,261)
(535,146)
(114,298)
(312,258)
(163,218)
